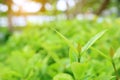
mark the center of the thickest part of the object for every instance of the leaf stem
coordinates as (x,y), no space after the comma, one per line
(79,57)
(114,67)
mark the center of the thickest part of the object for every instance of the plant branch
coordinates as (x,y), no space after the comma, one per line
(113,64)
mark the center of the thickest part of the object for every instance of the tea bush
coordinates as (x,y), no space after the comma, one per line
(40,53)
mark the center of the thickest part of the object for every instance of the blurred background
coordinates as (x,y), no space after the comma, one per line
(31,50)
(17,13)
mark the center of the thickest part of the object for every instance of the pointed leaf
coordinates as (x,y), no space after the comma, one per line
(92,41)
(101,53)
(79,70)
(67,41)
(117,54)
(73,57)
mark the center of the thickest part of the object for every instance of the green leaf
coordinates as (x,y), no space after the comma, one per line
(79,70)
(101,53)
(117,54)
(73,57)
(92,41)
(67,41)
(63,76)
(52,54)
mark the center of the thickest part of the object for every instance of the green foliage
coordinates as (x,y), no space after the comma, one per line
(4,35)
(73,57)
(79,70)
(67,41)
(117,54)
(39,53)
(62,76)
(92,41)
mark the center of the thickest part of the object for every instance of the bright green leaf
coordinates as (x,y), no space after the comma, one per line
(117,54)
(79,70)
(101,53)
(67,41)
(73,57)
(92,41)
(63,76)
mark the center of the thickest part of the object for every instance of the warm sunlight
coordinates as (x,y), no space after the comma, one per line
(59,39)
(3,8)
(27,6)
(62,6)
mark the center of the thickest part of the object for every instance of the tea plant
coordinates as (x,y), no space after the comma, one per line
(75,54)
(38,53)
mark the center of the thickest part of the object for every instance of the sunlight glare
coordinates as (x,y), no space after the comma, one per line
(61,5)
(28,6)
(71,3)
(32,7)
(48,6)
(15,8)
(3,8)
(19,2)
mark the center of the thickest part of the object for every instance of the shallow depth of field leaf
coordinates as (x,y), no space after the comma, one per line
(79,70)
(101,53)
(73,57)
(67,41)
(63,76)
(117,54)
(92,41)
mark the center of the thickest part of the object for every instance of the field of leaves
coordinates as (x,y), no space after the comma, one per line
(63,50)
